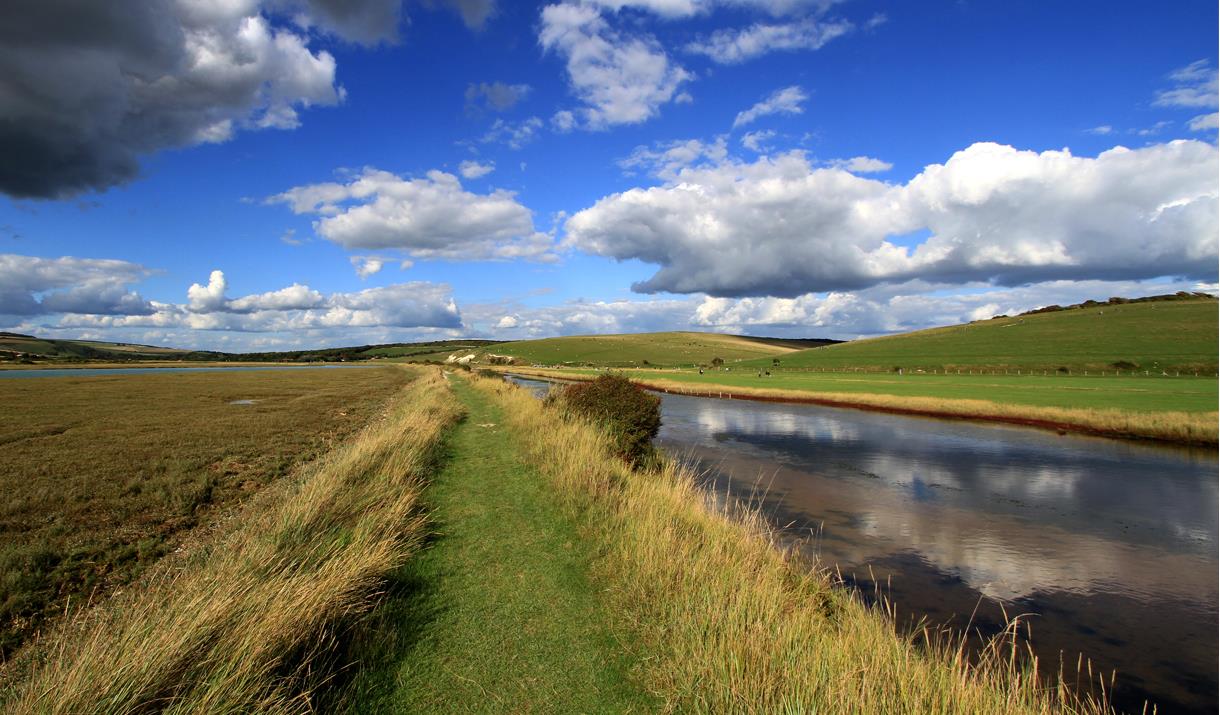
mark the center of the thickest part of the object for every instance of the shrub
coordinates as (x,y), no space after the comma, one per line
(621,407)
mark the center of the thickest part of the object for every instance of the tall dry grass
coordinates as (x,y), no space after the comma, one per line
(247,626)
(727,621)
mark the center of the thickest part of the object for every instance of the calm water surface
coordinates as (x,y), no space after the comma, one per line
(1110,547)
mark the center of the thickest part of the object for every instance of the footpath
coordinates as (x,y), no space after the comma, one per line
(497,613)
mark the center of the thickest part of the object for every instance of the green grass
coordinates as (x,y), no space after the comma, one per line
(1169,335)
(1158,394)
(103,475)
(497,615)
(661,349)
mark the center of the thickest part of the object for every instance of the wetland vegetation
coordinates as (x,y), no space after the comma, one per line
(104,475)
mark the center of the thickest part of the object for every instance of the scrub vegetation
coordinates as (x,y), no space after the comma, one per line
(252,622)
(103,475)
(623,409)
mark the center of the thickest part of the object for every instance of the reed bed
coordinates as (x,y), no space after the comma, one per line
(725,620)
(250,623)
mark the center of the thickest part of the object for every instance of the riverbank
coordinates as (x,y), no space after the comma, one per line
(1171,426)
(725,620)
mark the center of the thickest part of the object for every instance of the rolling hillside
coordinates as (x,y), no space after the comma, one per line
(1169,335)
(15,347)
(643,350)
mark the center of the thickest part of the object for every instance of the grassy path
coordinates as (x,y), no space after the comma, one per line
(496,615)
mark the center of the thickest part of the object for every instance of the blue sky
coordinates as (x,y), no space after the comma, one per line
(380,170)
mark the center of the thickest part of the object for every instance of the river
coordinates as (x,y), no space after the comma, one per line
(1107,548)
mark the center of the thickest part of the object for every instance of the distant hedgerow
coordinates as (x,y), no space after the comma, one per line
(621,407)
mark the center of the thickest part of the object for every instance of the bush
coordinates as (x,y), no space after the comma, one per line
(621,407)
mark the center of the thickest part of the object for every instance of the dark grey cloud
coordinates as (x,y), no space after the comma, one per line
(87,88)
(497,96)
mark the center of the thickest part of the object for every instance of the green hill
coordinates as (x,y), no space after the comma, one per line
(15,347)
(1169,334)
(642,350)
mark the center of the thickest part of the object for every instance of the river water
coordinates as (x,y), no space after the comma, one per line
(1108,548)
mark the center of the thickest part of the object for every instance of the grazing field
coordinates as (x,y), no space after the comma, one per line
(1155,336)
(103,475)
(661,349)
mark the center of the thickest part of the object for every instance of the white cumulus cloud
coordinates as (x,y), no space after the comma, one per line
(621,78)
(862,165)
(428,217)
(783,227)
(367,265)
(475,170)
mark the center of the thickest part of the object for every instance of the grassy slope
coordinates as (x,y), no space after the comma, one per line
(101,475)
(663,349)
(80,349)
(248,622)
(1176,335)
(498,614)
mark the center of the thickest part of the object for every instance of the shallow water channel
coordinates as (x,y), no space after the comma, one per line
(1109,548)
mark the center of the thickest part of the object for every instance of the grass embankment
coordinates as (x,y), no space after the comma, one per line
(497,615)
(660,349)
(103,475)
(247,624)
(724,621)
(1158,336)
(1179,410)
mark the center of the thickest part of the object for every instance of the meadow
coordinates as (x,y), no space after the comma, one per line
(102,476)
